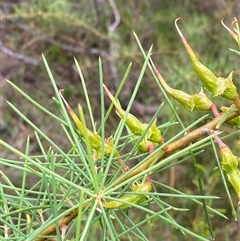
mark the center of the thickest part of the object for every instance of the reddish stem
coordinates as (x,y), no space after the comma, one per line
(220,143)
(214,110)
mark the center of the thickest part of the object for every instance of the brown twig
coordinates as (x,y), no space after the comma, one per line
(63,221)
(16,55)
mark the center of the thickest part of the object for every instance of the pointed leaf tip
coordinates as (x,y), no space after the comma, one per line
(176,25)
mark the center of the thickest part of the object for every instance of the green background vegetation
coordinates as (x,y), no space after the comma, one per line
(62,29)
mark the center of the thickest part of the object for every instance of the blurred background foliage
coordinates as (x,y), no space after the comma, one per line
(89,29)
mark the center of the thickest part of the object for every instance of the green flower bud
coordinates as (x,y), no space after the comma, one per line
(153,134)
(134,198)
(198,101)
(230,166)
(217,85)
(135,125)
(94,139)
